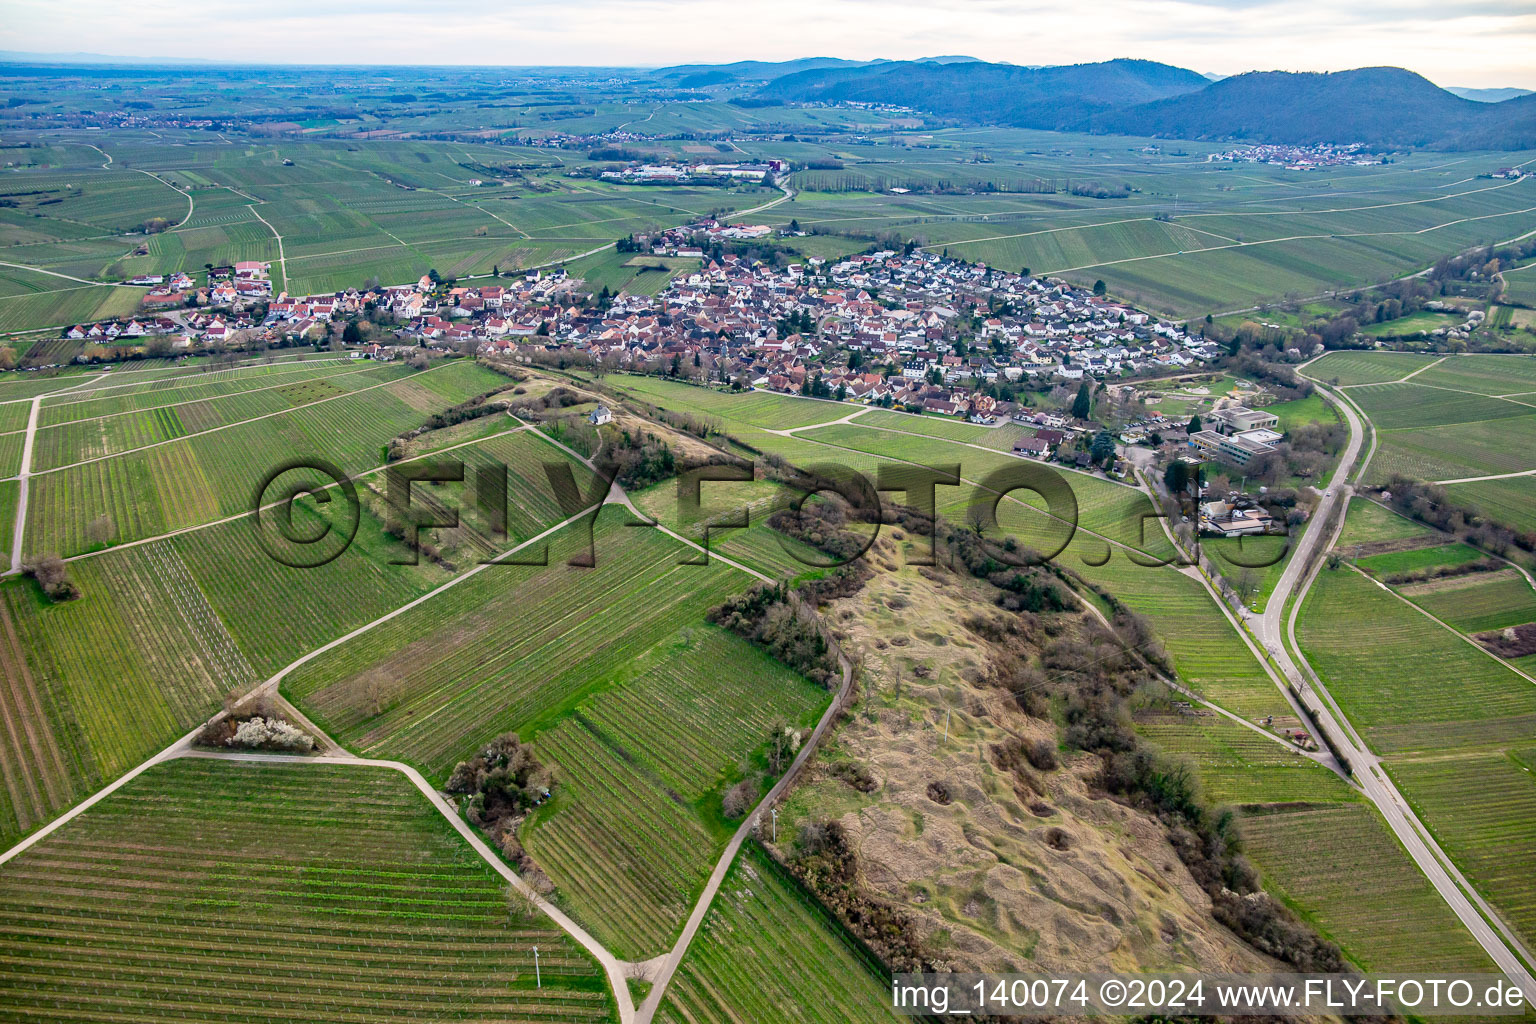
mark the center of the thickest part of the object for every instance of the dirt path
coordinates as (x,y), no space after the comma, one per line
(663,973)
(282,258)
(211,430)
(24,478)
(1479,479)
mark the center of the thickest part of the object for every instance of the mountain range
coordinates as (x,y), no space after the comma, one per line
(1388,108)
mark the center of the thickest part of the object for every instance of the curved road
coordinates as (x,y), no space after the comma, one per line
(1273,626)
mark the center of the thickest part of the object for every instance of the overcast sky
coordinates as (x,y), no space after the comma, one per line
(1451,42)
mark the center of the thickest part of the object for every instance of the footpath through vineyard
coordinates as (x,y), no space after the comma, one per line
(660,969)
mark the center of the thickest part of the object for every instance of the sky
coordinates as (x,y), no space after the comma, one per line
(1485,43)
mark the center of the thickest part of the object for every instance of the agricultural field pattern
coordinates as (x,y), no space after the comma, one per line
(466,555)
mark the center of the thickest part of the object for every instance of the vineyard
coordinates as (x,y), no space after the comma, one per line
(1237,765)
(1208,654)
(341,889)
(1101,506)
(641,766)
(1347,874)
(511,647)
(1001,438)
(1350,368)
(1512,502)
(1482,808)
(1487,374)
(756,409)
(1415,404)
(695,709)
(1371,650)
(97,435)
(117,675)
(1476,603)
(214,474)
(164,630)
(764,950)
(117,393)
(626,856)
(1419,559)
(1439,432)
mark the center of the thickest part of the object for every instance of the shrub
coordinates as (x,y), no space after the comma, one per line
(740,798)
(1041,754)
(270,734)
(764,616)
(503,781)
(826,863)
(52,574)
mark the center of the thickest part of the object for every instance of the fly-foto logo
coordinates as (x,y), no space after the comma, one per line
(307,513)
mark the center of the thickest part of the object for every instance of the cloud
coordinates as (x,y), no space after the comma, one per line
(1471,42)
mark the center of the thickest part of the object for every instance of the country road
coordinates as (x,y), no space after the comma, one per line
(1274,626)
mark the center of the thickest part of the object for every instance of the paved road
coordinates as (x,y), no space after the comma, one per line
(1273,625)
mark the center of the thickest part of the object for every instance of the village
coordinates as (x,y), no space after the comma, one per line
(910,331)
(1301,158)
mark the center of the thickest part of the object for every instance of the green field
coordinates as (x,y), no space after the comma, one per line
(628,273)
(1485,373)
(758,409)
(1208,654)
(1462,416)
(346,214)
(245,891)
(1206,649)
(1312,409)
(1413,324)
(1239,766)
(1367,523)
(432,685)
(1520,285)
(1419,559)
(634,828)
(164,630)
(1482,809)
(766,954)
(193,478)
(1406,683)
(341,888)
(1352,367)
(1479,602)
(1512,501)
(1342,869)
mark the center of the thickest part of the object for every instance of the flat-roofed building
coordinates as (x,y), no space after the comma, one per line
(1234,419)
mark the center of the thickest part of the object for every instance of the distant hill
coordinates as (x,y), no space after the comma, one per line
(1487,95)
(1388,108)
(1044,97)
(693,76)
(754,70)
(1378,106)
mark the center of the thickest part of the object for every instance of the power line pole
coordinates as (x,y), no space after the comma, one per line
(538,980)
(775,812)
(946,725)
